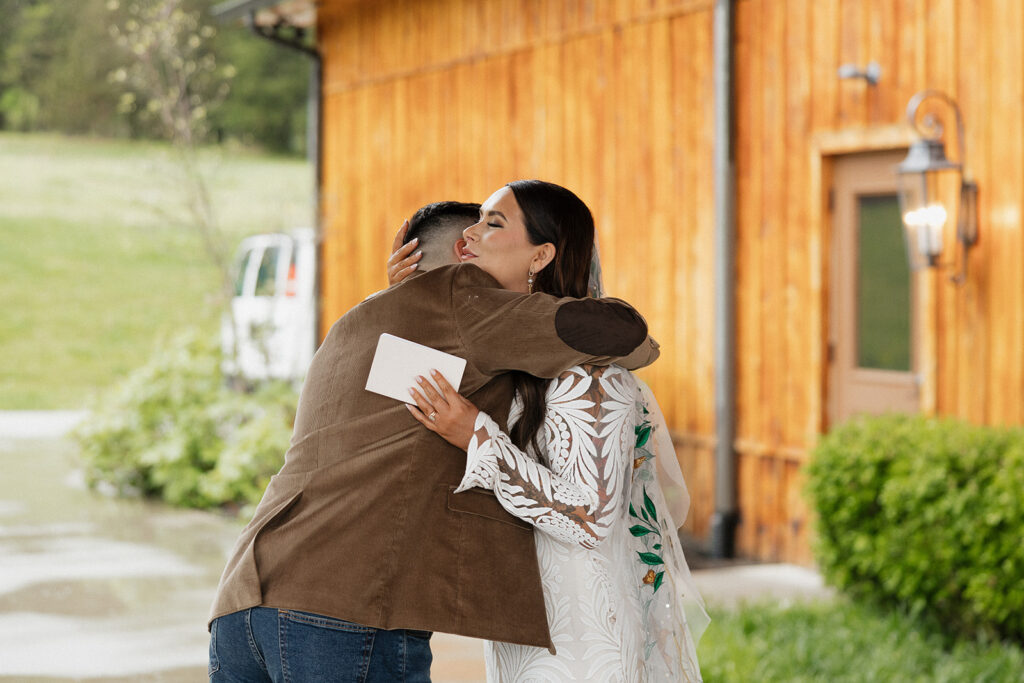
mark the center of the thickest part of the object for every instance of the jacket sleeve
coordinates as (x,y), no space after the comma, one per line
(577,496)
(642,356)
(543,335)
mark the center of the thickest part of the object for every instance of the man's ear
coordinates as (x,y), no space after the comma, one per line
(544,255)
(456,253)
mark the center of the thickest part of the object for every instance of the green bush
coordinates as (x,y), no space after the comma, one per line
(926,515)
(173,430)
(841,641)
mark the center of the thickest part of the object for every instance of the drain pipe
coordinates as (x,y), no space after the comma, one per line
(314,130)
(726,514)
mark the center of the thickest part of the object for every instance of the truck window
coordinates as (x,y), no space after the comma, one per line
(266,278)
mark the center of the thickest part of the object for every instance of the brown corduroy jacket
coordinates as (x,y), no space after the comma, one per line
(361,522)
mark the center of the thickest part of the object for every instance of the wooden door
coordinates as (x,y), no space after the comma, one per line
(872,340)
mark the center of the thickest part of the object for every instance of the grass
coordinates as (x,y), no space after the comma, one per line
(98,260)
(841,642)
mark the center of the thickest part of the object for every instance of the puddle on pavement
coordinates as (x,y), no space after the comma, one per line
(68,598)
(120,588)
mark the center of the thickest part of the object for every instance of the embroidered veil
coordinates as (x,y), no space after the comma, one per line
(673,616)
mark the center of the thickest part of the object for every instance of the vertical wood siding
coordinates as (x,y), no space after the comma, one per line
(450,99)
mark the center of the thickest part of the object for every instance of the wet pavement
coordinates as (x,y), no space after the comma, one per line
(94,588)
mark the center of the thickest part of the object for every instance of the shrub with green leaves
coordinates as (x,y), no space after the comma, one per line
(926,515)
(173,430)
(841,641)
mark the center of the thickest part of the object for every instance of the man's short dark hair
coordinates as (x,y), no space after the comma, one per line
(431,220)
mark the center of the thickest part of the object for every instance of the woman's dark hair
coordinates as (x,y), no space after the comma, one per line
(556,215)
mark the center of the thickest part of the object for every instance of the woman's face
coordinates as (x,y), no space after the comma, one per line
(499,245)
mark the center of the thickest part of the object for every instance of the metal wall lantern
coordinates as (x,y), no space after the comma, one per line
(924,187)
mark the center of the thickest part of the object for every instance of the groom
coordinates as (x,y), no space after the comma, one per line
(360,547)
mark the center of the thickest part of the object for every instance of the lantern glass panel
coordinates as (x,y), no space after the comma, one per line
(923,217)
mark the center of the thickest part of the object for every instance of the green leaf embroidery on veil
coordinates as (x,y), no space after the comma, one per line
(651,559)
(649,505)
(643,434)
(645,530)
(648,526)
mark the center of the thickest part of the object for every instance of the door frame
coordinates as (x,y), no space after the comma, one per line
(861,179)
(824,148)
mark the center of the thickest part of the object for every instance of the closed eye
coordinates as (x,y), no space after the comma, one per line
(494,225)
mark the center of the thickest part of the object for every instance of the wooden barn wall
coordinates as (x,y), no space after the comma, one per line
(450,99)
(792,113)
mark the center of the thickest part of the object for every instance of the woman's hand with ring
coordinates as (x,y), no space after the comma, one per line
(446,413)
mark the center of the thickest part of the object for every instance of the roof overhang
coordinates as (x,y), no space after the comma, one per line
(268,13)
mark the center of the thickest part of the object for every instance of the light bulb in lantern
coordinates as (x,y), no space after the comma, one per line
(927,222)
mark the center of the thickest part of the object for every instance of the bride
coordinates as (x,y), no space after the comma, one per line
(588,461)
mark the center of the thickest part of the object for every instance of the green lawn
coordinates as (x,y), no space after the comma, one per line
(844,643)
(97,260)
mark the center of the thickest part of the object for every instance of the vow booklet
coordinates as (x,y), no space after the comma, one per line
(397,362)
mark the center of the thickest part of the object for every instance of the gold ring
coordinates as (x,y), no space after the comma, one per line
(432,416)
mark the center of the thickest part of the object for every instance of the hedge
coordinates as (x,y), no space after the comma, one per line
(173,430)
(926,515)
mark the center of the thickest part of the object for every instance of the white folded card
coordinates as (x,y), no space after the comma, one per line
(398,362)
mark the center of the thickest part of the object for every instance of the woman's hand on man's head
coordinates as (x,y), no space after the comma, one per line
(403,262)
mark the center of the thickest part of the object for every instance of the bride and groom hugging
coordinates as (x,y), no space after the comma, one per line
(498,512)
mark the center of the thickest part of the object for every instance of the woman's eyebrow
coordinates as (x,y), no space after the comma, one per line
(492,212)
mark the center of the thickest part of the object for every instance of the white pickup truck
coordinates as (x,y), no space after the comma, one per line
(270,332)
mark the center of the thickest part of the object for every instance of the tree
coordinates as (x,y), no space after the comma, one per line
(267,103)
(55,56)
(53,59)
(171,76)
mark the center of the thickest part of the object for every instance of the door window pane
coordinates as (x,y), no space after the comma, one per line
(267,276)
(883,287)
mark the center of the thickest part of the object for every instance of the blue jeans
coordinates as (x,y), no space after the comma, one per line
(281,646)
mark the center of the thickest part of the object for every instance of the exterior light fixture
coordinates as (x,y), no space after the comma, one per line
(924,187)
(871,73)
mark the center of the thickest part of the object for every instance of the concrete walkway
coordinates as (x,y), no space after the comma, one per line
(101,589)
(38,424)
(730,587)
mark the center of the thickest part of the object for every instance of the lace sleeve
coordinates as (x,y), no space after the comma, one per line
(588,427)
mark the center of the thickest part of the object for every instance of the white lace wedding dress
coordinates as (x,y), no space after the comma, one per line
(611,582)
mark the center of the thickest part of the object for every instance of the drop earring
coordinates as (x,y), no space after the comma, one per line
(529,282)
